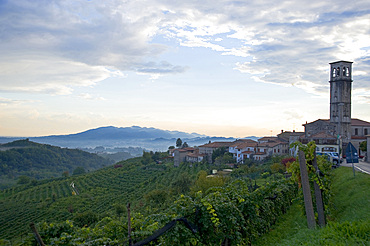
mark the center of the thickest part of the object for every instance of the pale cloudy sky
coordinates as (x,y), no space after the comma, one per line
(221,68)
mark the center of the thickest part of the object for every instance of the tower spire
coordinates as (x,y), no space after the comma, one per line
(340,98)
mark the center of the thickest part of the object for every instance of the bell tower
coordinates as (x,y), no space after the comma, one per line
(340,98)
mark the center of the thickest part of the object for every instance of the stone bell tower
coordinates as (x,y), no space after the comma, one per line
(340,98)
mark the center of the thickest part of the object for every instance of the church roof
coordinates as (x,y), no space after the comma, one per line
(354,122)
(325,120)
(357,122)
(322,135)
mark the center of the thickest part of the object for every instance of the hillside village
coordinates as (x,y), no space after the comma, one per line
(330,135)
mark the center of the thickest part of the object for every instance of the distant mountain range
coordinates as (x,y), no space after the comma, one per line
(134,136)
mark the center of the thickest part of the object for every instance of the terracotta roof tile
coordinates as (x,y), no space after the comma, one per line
(216,144)
(357,122)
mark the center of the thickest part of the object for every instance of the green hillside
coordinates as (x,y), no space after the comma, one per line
(99,191)
(40,161)
(348,224)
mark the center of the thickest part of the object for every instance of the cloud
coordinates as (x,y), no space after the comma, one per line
(287,42)
(88,96)
(53,46)
(49,75)
(160,68)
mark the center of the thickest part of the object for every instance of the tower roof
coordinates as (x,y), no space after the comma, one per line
(340,62)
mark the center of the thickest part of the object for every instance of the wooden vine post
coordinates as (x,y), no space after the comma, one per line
(306,191)
(36,234)
(318,196)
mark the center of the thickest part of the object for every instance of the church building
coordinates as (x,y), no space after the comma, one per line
(336,132)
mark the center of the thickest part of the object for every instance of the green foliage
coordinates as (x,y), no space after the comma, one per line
(85,219)
(219,152)
(178,143)
(203,183)
(229,213)
(323,178)
(182,184)
(277,168)
(363,146)
(79,171)
(185,145)
(52,200)
(156,198)
(40,161)
(23,179)
(106,232)
(348,225)
(226,158)
(147,158)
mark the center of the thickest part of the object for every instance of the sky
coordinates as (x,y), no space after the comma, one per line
(219,68)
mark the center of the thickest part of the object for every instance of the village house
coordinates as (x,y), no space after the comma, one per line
(291,137)
(179,155)
(242,149)
(268,146)
(195,157)
(210,147)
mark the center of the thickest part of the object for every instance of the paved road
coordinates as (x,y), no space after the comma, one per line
(361,166)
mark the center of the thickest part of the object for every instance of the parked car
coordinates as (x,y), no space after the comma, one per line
(332,156)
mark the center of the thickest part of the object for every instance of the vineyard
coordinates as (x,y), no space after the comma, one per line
(90,209)
(98,191)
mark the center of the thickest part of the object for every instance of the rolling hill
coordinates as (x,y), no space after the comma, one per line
(39,161)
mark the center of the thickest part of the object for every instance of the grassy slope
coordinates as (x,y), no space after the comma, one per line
(350,221)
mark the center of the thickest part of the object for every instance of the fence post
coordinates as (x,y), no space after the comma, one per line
(318,196)
(129,224)
(37,235)
(306,191)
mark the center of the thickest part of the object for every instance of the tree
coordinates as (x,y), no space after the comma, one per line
(277,168)
(178,143)
(79,170)
(65,174)
(218,152)
(86,218)
(147,158)
(156,198)
(182,184)
(185,145)
(203,183)
(363,146)
(23,179)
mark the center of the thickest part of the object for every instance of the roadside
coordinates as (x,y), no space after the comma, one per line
(361,166)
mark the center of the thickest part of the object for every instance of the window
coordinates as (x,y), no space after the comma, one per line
(334,72)
(356,131)
(365,131)
(347,71)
